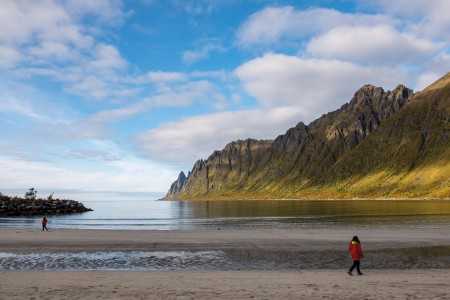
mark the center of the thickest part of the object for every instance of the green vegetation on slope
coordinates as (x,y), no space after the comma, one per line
(379,145)
(409,154)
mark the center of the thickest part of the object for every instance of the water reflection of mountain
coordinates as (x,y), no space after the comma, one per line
(335,210)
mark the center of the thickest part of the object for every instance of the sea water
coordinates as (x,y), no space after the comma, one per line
(145,212)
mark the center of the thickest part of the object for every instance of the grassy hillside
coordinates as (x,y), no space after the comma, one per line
(408,156)
(379,145)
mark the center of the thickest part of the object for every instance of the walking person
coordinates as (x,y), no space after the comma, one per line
(355,249)
(44,224)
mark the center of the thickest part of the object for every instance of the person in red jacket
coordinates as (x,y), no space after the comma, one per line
(355,249)
(44,224)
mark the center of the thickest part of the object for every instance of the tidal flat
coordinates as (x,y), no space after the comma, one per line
(228,263)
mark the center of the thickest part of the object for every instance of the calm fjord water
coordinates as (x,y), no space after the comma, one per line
(138,214)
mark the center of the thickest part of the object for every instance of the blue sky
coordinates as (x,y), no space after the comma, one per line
(112,95)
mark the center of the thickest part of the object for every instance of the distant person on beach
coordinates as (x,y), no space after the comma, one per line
(44,224)
(355,249)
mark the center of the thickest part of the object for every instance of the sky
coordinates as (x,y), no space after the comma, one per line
(122,95)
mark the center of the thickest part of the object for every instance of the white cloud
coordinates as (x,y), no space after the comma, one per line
(426,19)
(54,38)
(268,25)
(191,92)
(314,86)
(172,94)
(192,138)
(30,23)
(272,24)
(380,45)
(105,11)
(412,36)
(52,50)
(129,174)
(107,57)
(415,8)
(91,87)
(9,57)
(202,51)
(20,20)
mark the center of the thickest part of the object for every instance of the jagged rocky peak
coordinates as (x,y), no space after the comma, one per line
(292,138)
(370,91)
(181,177)
(177,185)
(382,104)
(351,123)
(368,108)
(199,164)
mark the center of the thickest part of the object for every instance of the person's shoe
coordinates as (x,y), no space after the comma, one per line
(349,273)
(360,273)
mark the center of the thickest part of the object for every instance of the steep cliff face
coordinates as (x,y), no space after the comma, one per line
(323,159)
(225,168)
(176,186)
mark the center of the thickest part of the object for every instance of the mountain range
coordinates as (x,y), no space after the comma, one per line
(381,144)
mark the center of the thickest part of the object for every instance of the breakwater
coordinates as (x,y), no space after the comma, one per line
(14,206)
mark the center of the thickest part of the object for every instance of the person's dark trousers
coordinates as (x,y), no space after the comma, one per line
(44,227)
(355,264)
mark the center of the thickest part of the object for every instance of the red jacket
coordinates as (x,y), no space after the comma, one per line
(355,249)
(44,221)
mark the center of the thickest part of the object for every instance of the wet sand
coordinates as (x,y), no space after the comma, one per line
(59,240)
(261,264)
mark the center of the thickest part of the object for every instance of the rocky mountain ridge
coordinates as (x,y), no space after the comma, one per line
(314,160)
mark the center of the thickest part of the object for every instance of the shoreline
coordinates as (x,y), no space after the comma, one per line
(311,199)
(26,237)
(219,236)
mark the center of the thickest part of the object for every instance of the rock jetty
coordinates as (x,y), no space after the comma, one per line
(15,206)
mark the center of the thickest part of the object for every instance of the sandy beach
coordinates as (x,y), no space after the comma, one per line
(251,264)
(309,284)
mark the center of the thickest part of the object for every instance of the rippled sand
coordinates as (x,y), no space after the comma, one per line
(128,261)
